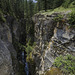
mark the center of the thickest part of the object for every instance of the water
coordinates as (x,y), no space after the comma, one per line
(26,64)
(26,68)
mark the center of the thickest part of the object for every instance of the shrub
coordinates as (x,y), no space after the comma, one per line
(30,58)
(72,5)
(29,49)
(67,3)
(58,18)
(66,64)
(72,19)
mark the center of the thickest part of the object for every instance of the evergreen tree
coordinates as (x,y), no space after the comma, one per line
(31,7)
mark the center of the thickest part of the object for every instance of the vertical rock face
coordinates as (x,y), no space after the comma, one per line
(52,39)
(5,60)
(5,33)
(62,43)
(6,67)
(8,55)
(44,27)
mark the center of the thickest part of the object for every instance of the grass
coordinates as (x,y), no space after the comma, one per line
(58,10)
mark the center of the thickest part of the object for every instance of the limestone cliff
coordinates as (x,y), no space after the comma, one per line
(53,39)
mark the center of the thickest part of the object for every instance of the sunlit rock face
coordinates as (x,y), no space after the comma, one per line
(52,39)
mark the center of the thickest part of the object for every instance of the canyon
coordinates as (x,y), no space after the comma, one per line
(52,38)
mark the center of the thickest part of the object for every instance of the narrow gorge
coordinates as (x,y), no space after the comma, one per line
(37,37)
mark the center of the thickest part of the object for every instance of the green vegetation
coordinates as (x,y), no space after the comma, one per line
(66,64)
(58,18)
(29,49)
(29,58)
(23,10)
(31,62)
(52,4)
(67,3)
(57,10)
(72,4)
(72,19)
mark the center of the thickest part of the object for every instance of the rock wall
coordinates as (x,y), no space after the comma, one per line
(8,55)
(52,39)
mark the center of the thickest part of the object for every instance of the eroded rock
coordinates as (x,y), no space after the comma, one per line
(52,39)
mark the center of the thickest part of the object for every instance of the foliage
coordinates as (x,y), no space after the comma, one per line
(67,3)
(58,18)
(57,3)
(72,4)
(51,4)
(72,18)
(66,64)
(29,48)
(19,47)
(31,62)
(30,58)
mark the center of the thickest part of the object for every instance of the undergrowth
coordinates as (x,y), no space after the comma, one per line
(66,64)
(71,19)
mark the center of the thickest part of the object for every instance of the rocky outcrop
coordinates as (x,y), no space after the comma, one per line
(52,39)
(62,43)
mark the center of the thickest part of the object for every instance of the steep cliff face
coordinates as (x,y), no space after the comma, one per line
(6,67)
(8,55)
(52,39)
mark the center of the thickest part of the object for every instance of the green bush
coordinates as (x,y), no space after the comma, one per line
(72,5)
(67,3)
(66,64)
(72,19)
(29,49)
(58,18)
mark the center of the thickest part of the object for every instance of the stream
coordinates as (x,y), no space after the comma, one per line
(25,63)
